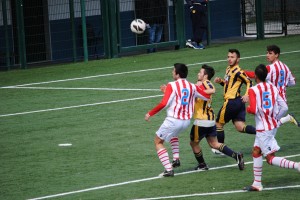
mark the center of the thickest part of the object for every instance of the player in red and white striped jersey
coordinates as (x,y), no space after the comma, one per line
(179,97)
(279,75)
(266,103)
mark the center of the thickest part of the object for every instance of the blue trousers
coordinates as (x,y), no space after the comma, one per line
(155,32)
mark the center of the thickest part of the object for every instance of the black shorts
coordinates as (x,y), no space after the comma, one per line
(199,132)
(232,109)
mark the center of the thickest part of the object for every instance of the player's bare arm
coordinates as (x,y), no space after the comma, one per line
(147,117)
(218,80)
(163,88)
(245,98)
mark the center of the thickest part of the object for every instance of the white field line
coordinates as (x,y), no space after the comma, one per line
(149,179)
(138,71)
(64,88)
(103,75)
(216,193)
(78,106)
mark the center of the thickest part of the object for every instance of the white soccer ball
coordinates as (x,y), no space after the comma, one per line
(138,26)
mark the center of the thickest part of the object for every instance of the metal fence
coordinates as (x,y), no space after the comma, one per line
(281,17)
(54,31)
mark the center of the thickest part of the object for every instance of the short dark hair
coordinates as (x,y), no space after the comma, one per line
(181,69)
(273,48)
(208,70)
(235,51)
(261,72)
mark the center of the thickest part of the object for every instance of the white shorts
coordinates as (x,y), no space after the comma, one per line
(171,127)
(266,141)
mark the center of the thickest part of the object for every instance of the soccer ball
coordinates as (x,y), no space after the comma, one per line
(138,26)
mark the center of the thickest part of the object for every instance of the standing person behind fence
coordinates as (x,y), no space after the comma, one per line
(266,103)
(198,14)
(154,13)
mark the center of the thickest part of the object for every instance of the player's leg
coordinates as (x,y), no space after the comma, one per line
(196,135)
(213,142)
(257,169)
(166,132)
(220,137)
(240,118)
(220,122)
(270,147)
(281,162)
(243,128)
(163,157)
(289,118)
(175,128)
(230,110)
(174,142)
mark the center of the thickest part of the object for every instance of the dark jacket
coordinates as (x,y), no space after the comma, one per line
(190,2)
(152,11)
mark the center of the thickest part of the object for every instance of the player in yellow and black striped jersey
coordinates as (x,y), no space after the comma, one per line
(234,103)
(205,125)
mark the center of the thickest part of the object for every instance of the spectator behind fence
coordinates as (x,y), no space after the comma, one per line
(154,13)
(198,13)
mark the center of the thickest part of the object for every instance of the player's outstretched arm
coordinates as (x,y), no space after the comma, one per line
(219,80)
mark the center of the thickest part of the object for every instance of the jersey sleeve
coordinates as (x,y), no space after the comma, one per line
(283,108)
(209,87)
(247,81)
(164,101)
(200,93)
(291,80)
(222,83)
(252,102)
(250,74)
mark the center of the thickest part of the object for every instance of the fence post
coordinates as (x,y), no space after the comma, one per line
(7,52)
(21,34)
(284,16)
(105,22)
(112,13)
(179,12)
(71,7)
(84,35)
(259,9)
(208,25)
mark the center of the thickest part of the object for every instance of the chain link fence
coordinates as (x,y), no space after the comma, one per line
(281,17)
(55,31)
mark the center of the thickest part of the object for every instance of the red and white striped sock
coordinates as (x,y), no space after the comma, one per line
(164,159)
(175,147)
(257,170)
(284,163)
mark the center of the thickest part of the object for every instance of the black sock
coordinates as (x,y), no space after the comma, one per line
(220,135)
(199,157)
(249,129)
(227,151)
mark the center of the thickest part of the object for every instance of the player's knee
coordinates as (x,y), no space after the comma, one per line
(214,145)
(269,158)
(158,141)
(193,143)
(239,126)
(219,125)
(256,152)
